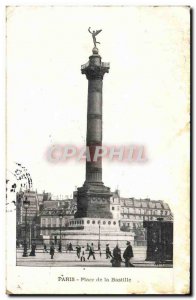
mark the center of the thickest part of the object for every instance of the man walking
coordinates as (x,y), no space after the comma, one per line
(116,261)
(52,250)
(83,254)
(108,252)
(127,255)
(91,252)
(45,248)
(78,250)
(60,247)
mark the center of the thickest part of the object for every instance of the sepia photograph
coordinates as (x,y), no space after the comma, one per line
(98,149)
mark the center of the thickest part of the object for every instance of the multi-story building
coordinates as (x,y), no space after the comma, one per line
(31,214)
(135,211)
(52,220)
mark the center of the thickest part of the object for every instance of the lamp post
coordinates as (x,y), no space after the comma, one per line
(99,245)
(30,234)
(60,219)
(26,206)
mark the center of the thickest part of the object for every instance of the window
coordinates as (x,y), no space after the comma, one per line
(88,222)
(114,223)
(109,222)
(44,222)
(104,222)
(93,222)
(54,222)
(112,207)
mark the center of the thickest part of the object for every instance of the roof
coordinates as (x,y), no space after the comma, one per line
(52,212)
(144,203)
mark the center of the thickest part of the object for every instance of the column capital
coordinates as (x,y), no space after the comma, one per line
(95,68)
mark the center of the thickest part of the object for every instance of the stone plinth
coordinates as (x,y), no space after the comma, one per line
(97,231)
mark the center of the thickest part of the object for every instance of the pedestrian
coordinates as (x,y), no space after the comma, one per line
(108,252)
(70,247)
(157,256)
(127,255)
(82,254)
(52,250)
(116,260)
(91,252)
(33,248)
(60,247)
(45,248)
(78,250)
(87,247)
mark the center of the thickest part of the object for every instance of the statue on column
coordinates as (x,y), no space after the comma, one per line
(94,33)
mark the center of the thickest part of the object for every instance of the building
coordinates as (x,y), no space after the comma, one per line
(43,216)
(32,214)
(53,220)
(135,211)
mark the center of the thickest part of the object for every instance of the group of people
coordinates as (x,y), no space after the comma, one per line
(115,255)
(127,255)
(116,258)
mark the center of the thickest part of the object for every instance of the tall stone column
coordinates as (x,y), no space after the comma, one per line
(93,199)
(94,70)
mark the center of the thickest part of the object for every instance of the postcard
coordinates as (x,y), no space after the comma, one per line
(98,150)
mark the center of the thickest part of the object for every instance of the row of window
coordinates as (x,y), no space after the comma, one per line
(103,222)
(80,222)
(51,222)
(146,218)
(144,212)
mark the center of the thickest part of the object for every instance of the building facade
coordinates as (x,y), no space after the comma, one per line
(43,215)
(52,221)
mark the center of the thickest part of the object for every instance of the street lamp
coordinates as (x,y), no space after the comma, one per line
(99,244)
(60,218)
(26,206)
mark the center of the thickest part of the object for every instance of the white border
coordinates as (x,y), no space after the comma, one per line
(3,4)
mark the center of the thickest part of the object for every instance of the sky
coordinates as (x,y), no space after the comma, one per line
(145,94)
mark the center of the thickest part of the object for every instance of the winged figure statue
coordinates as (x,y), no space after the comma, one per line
(94,33)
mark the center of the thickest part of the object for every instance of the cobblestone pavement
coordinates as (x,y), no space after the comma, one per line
(71,260)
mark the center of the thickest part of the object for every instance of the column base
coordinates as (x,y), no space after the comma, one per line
(93,201)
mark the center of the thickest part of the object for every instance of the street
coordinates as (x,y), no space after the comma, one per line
(70,259)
